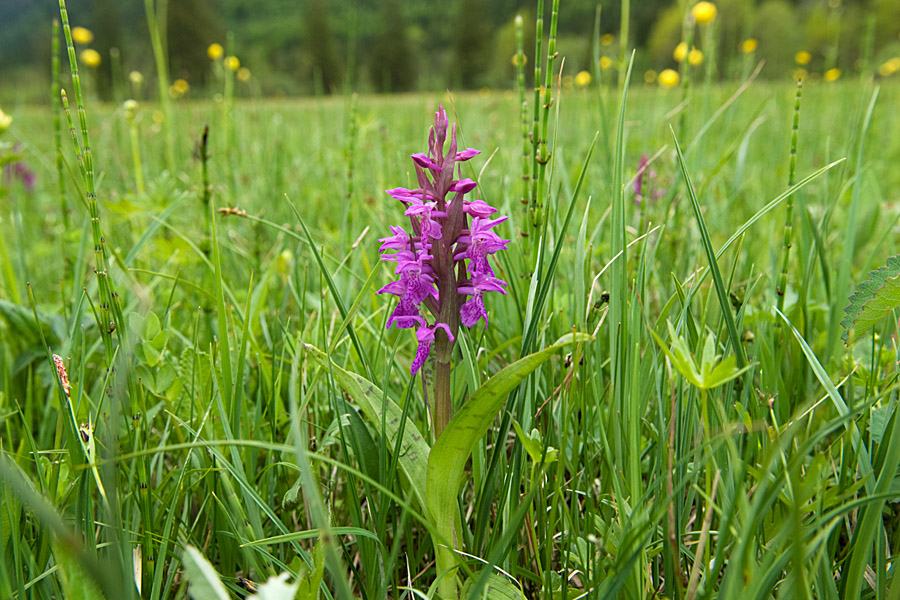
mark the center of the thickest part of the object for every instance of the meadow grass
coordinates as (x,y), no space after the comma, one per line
(204,418)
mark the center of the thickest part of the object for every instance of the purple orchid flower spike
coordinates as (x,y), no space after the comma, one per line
(443,263)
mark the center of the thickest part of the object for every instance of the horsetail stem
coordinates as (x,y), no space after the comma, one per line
(523,109)
(789,202)
(111,317)
(544,158)
(57,123)
(536,120)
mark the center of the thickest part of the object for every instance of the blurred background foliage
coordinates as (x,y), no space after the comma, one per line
(295,47)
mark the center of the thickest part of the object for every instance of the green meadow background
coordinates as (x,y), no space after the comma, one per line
(212,440)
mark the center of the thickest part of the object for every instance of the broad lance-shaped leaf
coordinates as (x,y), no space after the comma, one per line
(413,458)
(872,300)
(447,461)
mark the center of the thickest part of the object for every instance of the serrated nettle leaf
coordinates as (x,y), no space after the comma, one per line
(872,300)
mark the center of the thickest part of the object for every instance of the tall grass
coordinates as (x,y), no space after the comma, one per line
(200,415)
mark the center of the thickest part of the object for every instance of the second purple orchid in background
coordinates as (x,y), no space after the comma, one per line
(443,261)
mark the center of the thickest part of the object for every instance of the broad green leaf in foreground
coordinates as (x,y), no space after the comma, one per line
(872,300)
(447,461)
(370,398)
(202,577)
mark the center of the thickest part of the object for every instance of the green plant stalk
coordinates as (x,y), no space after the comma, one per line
(535,126)
(781,288)
(156,23)
(537,216)
(687,36)
(136,154)
(724,303)
(523,112)
(57,124)
(110,311)
(624,24)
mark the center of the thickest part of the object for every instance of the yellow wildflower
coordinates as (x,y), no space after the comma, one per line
(583,79)
(5,121)
(803,57)
(695,57)
(136,78)
(832,75)
(181,86)
(605,62)
(243,74)
(90,58)
(232,63)
(607,39)
(82,35)
(704,12)
(215,51)
(889,67)
(649,76)
(515,60)
(681,52)
(749,45)
(668,78)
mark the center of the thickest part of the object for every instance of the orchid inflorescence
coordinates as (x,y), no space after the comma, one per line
(445,258)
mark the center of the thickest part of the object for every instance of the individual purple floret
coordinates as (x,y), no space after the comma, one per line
(19,170)
(645,173)
(443,258)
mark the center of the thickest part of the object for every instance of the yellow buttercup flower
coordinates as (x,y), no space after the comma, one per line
(136,78)
(215,51)
(243,74)
(232,63)
(803,57)
(583,79)
(889,67)
(5,121)
(695,57)
(82,35)
(668,78)
(749,45)
(649,76)
(607,39)
(90,58)
(704,12)
(181,86)
(605,62)
(681,52)
(832,75)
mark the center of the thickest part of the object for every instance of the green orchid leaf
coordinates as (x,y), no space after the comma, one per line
(413,459)
(447,460)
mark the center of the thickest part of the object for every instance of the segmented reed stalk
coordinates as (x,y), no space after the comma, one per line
(536,120)
(542,154)
(789,202)
(110,313)
(57,123)
(523,109)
